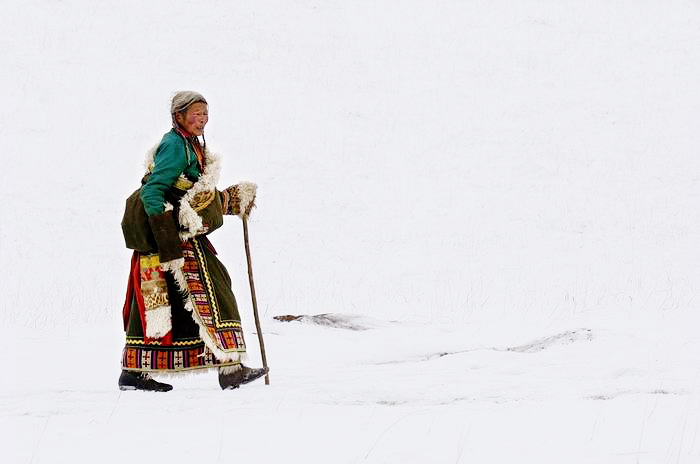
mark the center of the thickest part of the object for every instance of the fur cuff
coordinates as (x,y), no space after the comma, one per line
(230,369)
(239,199)
(246,195)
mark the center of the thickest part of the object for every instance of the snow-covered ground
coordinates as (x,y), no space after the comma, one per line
(503,195)
(610,391)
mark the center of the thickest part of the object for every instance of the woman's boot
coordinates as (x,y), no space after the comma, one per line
(230,378)
(132,380)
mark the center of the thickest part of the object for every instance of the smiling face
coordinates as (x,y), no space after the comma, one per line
(194,118)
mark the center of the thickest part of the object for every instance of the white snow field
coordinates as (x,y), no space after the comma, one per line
(494,202)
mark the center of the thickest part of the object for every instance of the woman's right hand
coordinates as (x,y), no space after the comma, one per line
(239,199)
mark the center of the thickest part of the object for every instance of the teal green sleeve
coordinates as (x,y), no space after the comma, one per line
(170,161)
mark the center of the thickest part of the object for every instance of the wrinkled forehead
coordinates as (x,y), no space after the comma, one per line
(196,108)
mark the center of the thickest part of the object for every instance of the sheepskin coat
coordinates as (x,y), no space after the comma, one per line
(202,328)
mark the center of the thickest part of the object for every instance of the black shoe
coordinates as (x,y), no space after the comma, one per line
(132,380)
(242,376)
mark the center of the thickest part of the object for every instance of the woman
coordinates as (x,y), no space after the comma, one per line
(180,314)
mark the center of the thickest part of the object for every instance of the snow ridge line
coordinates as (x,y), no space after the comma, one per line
(541,344)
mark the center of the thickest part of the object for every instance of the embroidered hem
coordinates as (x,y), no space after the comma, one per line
(170,359)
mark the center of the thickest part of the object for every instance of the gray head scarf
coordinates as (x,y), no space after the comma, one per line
(183,100)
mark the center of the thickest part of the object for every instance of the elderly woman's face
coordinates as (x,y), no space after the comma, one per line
(194,119)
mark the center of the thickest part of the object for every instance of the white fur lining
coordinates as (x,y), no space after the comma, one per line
(150,158)
(173,264)
(206,183)
(158,322)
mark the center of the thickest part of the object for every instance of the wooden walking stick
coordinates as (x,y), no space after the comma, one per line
(252,294)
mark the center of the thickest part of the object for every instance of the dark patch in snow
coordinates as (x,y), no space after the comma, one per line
(599,397)
(390,403)
(564,338)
